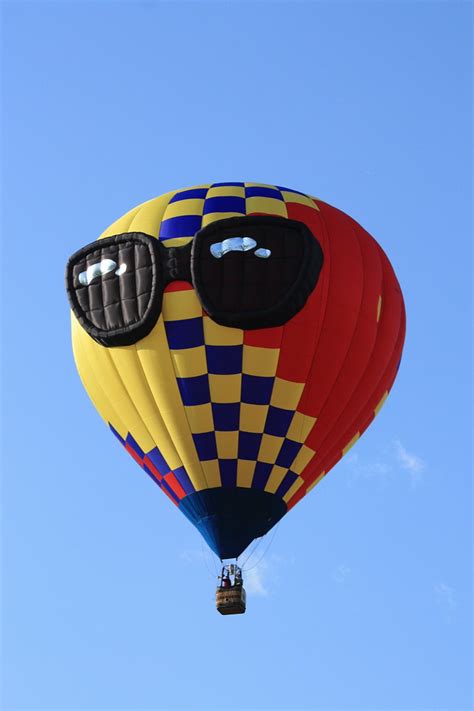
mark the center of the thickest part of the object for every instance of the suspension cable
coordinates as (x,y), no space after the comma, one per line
(255,544)
(204,557)
(264,552)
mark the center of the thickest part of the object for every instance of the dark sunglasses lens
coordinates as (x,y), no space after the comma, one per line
(255,271)
(114,288)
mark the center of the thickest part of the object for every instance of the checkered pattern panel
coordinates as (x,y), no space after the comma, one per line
(243,419)
(175,484)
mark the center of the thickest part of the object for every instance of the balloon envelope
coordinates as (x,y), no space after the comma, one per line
(237,339)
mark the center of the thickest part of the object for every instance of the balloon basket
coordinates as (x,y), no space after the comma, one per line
(231,601)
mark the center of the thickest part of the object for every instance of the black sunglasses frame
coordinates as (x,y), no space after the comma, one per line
(187,263)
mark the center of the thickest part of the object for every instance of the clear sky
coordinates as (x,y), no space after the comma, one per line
(363,599)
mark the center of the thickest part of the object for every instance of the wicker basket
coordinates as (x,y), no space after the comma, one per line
(231,601)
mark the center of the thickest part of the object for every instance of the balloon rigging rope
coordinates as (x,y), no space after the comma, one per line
(264,552)
(204,556)
(242,565)
(255,546)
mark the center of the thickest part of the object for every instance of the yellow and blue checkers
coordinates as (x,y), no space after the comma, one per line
(201,406)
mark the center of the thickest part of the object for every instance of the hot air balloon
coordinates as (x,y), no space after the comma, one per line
(237,339)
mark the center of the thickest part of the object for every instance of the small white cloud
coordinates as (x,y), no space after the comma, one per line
(192,556)
(204,559)
(386,466)
(410,462)
(261,576)
(256,580)
(378,469)
(445,597)
(341,573)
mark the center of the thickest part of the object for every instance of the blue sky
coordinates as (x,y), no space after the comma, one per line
(363,598)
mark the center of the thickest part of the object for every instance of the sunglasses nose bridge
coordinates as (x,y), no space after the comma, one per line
(176,263)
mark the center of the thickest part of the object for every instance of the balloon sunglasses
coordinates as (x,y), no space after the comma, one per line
(248,272)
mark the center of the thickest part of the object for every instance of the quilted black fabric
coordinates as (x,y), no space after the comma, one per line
(244,291)
(115,285)
(117,310)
